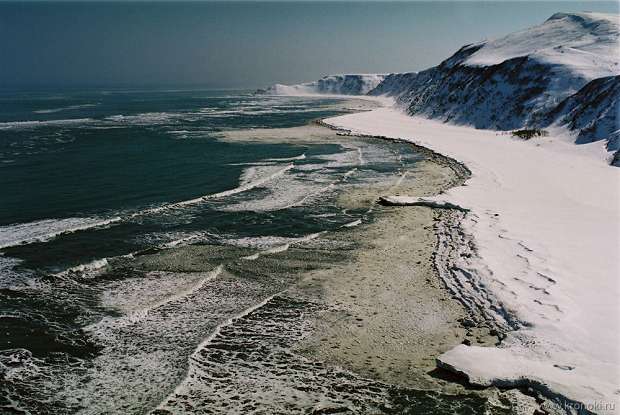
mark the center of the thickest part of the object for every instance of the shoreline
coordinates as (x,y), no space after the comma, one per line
(382,312)
(452,242)
(390,312)
(466,320)
(498,250)
(472,324)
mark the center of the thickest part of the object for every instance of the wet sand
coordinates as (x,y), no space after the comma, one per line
(384,311)
(390,314)
(360,317)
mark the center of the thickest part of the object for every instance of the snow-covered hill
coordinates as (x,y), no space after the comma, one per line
(542,213)
(345,84)
(584,43)
(562,72)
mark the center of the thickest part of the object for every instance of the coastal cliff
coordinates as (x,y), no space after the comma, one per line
(561,73)
(344,84)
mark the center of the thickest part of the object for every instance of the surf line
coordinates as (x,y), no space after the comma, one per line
(324,189)
(270,161)
(89,224)
(300,157)
(141,314)
(26,233)
(195,355)
(138,315)
(284,247)
(225,193)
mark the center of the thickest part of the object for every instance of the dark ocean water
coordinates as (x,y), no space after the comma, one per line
(147,238)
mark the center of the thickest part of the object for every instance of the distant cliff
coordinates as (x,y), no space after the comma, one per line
(345,84)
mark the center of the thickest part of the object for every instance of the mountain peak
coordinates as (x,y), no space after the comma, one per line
(584,43)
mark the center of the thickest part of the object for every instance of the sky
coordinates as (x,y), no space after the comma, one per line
(243,44)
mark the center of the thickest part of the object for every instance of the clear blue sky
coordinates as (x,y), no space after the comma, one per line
(243,44)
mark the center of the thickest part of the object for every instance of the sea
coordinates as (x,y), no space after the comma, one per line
(145,237)
(150,234)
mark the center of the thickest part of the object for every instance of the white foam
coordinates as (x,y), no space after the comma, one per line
(256,172)
(284,247)
(185,240)
(89,268)
(273,250)
(139,301)
(309,182)
(244,187)
(67,108)
(342,159)
(399,181)
(144,118)
(34,124)
(360,156)
(10,278)
(300,157)
(257,242)
(248,185)
(353,224)
(196,355)
(47,229)
(321,190)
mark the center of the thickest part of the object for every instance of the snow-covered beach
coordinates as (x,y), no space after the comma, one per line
(435,232)
(547,240)
(540,242)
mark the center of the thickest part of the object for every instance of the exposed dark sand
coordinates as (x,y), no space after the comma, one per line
(367,308)
(392,315)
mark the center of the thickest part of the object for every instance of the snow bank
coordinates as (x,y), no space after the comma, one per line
(545,217)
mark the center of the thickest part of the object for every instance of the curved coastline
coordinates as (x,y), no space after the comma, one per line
(510,365)
(452,242)
(381,314)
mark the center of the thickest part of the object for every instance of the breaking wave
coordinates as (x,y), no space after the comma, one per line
(34,124)
(67,108)
(47,229)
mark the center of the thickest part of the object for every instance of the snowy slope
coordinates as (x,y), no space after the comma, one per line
(593,111)
(584,43)
(346,84)
(548,75)
(520,80)
(544,215)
